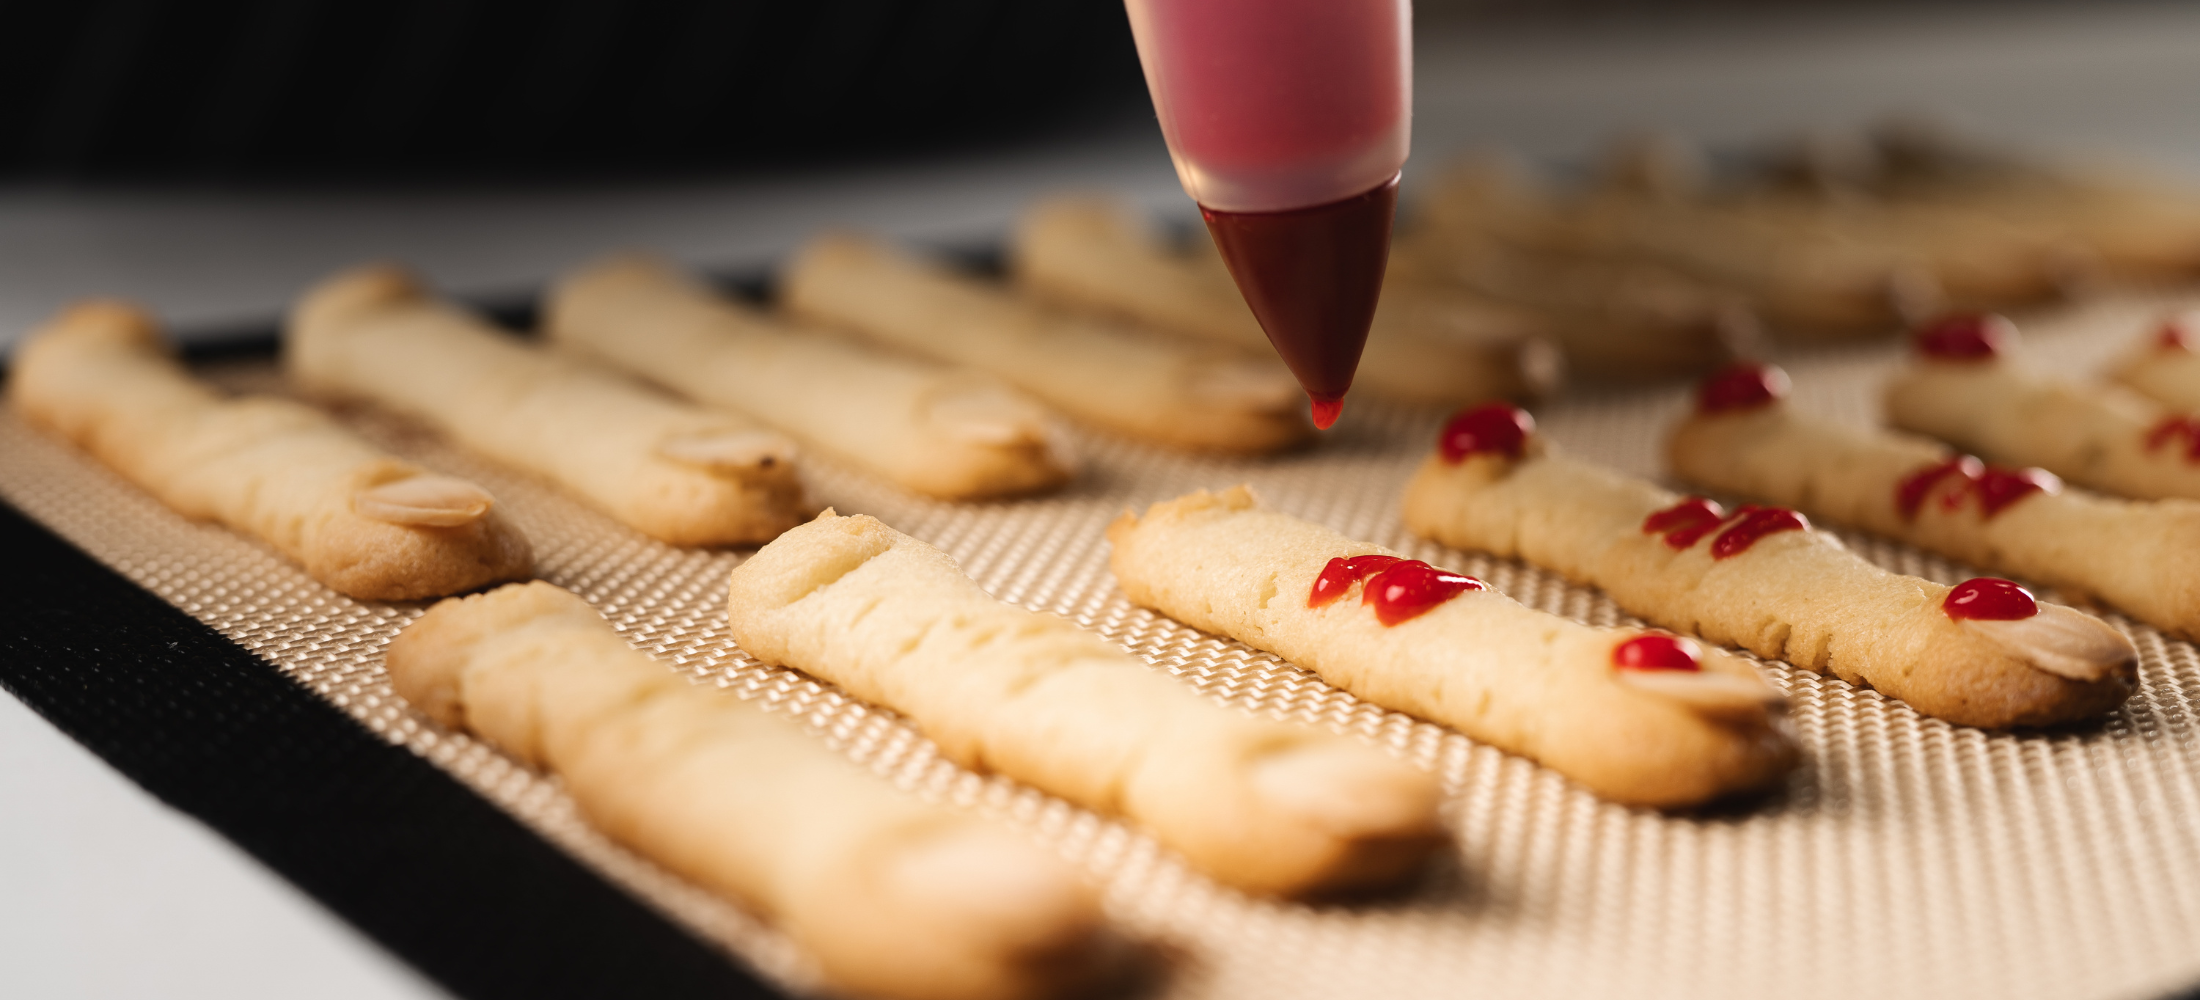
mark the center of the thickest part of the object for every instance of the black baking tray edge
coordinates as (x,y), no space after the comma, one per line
(434,873)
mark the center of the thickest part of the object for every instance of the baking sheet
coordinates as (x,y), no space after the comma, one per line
(1906,858)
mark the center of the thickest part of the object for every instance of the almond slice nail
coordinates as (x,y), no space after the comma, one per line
(1717,694)
(424,501)
(729,450)
(988,415)
(1347,790)
(2062,641)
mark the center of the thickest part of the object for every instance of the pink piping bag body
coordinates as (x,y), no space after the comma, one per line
(1288,122)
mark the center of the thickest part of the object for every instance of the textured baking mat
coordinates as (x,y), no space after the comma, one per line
(1907,858)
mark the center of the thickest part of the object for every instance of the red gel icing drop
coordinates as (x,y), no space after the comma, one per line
(1311,276)
(2173,335)
(1965,337)
(1686,522)
(1910,493)
(1409,589)
(1744,385)
(2173,427)
(1996,487)
(1751,523)
(1988,599)
(1342,573)
(1326,412)
(1658,652)
(1501,428)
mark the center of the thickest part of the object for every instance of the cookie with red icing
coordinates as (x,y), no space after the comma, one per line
(1966,386)
(1762,578)
(2017,521)
(2163,364)
(1634,716)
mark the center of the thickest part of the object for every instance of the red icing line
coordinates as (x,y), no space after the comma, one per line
(1342,573)
(2170,428)
(1998,487)
(1409,589)
(1501,428)
(1685,523)
(1751,523)
(1995,486)
(2173,336)
(1658,652)
(1989,599)
(1965,337)
(1744,385)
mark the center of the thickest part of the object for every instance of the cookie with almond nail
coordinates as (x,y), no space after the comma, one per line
(1261,805)
(1115,376)
(1964,385)
(1764,579)
(669,469)
(1637,717)
(1744,439)
(893,897)
(362,521)
(2163,364)
(941,430)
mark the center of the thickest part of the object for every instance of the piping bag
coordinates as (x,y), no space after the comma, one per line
(1288,123)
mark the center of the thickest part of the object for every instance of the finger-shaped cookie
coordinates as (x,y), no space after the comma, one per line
(2164,365)
(1808,286)
(1262,805)
(1744,440)
(1158,390)
(1765,580)
(894,898)
(356,518)
(1963,388)
(1613,319)
(942,431)
(1427,345)
(673,471)
(1636,717)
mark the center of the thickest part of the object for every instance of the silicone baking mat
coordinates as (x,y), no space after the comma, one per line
(1907,858)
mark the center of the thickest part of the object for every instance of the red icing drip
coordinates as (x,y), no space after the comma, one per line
(1686,522)
(1995,486)
(2173,336)
(1658,652)
(2173,427)
(1999,487)
(1988,599)
(1342,573)
(1744,385)
(1751,523)
(1409,589)
(1910,493)
(1326,411)
(1311,276)
(1501,428)
(1965,337)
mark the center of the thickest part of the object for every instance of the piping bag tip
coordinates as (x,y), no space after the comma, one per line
(1326,411)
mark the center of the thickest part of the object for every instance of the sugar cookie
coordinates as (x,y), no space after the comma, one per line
(1636,717)
(1963,388)
(894,898)
(1744,440)
(1152,388)
(945,432)
(1427,345)
(358,519)
(1764,580)
(1262,805)
(673,471)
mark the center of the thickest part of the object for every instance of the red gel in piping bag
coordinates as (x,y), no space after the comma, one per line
(1288,122)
